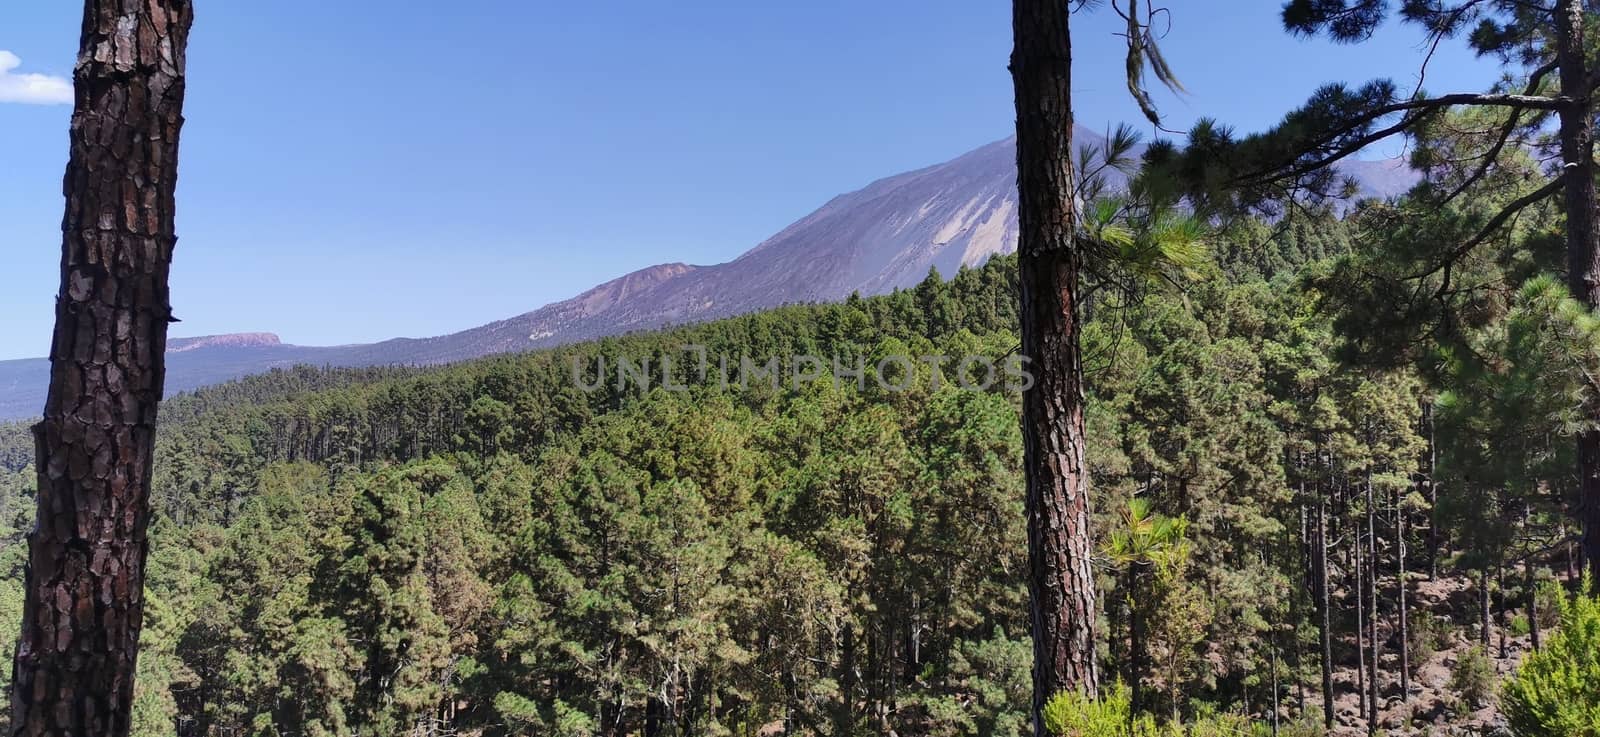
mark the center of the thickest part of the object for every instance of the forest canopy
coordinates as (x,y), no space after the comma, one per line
(490,547)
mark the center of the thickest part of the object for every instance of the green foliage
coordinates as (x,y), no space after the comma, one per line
(1549,598)
(1556,691)
(1168,618)
(1146,539)
(1075,714)
(484,548)
(16,446)
(1473,677)
(1304,727)
(1520,625)
(999,672)
(1521,390)
(1429,633)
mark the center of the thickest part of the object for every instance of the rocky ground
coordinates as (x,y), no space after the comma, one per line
(1432,707)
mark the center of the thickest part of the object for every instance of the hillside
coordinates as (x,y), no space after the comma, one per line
(882,237)
(807,549)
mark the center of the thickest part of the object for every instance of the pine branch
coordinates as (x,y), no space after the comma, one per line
(1418,108)
(1489,158)
(1494,224)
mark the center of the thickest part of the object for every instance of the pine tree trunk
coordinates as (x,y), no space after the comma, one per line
(845,715)
(1136,645)
(1434,541)
(1060,580)
(1119,631)
(74,667)
(1299,672)
(1324,629)
(1295,612)
(1400,584)
(1583,232)
(1483,608)
(1360,586)
(1276,705)
(1533,600)
(1372,604)
(1500,585)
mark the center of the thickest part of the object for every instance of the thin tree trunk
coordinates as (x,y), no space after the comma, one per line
(1136,644)
(1061,579)
(1400,584)
(1483,608)
(1299,680)
(1372,604)
(1500,586)
(1275,702)
(1434,541)
(75,660)
(1119,626)
(1295,613)
(844,716)
(1360,586)
(1323,605)
(1533,600)
(1174,691)
(1583,235)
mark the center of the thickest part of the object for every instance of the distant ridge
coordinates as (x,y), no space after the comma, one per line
(884,236)
(231,340)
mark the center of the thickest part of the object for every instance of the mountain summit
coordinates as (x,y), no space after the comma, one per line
(873,240)
(883,236)
(233,340)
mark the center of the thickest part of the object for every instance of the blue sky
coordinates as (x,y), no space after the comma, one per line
(358,170)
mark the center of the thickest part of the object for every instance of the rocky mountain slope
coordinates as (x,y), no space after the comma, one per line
(883,236)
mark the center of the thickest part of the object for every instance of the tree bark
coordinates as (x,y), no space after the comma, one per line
(1532,581)
(1500,586)
(1324,624)
(1483,608)
(1360,585)
(1061,580)
(1372,603)
(1400,584)
(1137,662)
(74,667)
(1583,235)
(1435,543)
(1276,705)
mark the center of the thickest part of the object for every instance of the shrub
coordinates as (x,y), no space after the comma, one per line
(1550,597)
(1208,722)
(1428,634)
(1217,725)
(1072,714)
(1473,677)
(998,673)
(1556,691)
(1520,626)
(1303,727)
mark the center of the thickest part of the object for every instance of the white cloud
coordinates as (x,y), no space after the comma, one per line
(31,89)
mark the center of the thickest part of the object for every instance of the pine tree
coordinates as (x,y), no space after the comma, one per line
(1145,545)
(75,662)
(1050,261)
(1060,543)
(1271,169)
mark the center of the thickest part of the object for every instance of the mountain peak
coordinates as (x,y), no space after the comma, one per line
(883,236)
(229,340)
